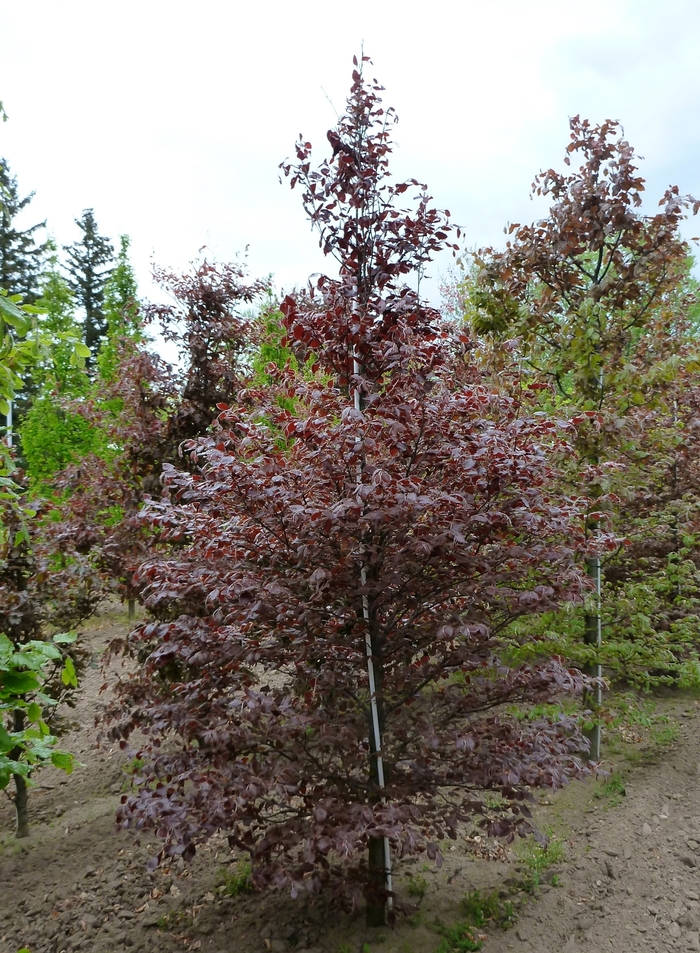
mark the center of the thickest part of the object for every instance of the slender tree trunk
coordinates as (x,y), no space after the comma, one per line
(132,610)
(376,902)
(593,630)
(20,797)
(675,532)
(379,857)
(21,800)
(378,864)
(592,637)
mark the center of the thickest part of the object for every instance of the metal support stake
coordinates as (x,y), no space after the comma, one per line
(370,672)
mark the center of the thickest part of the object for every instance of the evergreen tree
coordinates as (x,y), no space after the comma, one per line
(21,257)
(90,264)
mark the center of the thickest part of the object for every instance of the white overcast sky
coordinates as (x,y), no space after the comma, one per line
(170,118)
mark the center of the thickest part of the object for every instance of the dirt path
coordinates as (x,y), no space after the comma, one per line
(632,879)
(629,879)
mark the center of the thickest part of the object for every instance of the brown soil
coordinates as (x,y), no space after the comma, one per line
(629,878)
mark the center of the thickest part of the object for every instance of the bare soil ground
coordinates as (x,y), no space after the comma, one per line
(628,878)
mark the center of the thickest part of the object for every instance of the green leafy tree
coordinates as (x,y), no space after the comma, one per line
(63,369)
(26,592)
(90,264)
(121,309)
(22,253)
(26,741)
(51,436)
(584,297)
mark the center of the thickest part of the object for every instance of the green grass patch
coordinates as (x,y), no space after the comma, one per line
(233,883)
(417,886)
(665,735)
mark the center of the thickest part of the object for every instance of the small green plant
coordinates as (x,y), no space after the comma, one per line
(460,938)
(233,883)
(537,858)
(417,886)
(492,799)
(613,789)
(174,919)
(26,742)
(665,736)
(481,908)
(130,769)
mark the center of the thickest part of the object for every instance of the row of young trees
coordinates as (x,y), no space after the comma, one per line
(368,537)
(53,319)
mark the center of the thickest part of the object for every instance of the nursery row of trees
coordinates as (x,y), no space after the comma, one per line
(373,540)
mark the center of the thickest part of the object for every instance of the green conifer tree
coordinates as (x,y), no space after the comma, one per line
(22,255)
(90,264)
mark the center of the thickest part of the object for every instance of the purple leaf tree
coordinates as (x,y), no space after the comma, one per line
(327,658)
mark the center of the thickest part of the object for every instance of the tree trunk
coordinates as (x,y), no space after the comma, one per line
(379,884)
(377,887)
(591,636)
(20,797)
(132,610)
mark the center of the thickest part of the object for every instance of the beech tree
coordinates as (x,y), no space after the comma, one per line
(652,634)
(579,291)
(209,324)
(142,408)
(324,657)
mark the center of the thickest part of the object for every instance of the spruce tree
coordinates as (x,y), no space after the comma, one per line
(21,255)
(90,264)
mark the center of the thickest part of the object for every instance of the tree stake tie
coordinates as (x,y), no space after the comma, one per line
(370,670)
